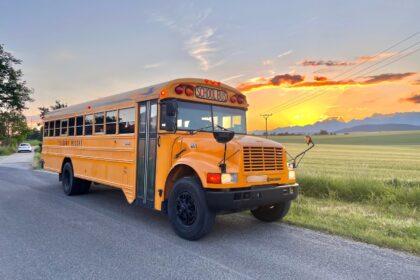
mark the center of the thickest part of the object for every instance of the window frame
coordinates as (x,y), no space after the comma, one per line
(61,127)
(82,125)
(118,122)
(115,122)
(102,124)
(91,125)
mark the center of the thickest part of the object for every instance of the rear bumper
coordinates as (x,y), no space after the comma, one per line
(248,198)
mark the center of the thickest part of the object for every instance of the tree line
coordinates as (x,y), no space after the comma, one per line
(14,97)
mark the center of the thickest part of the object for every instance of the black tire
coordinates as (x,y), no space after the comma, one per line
(72,185)
(188,212)
(272,213)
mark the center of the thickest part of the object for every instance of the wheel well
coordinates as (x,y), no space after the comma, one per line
(176,173)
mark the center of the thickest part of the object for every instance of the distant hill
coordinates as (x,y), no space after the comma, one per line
(379,127)
(335,125)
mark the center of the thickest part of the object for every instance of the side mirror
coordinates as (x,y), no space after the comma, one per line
(223,136)
(308,140)
(171,115)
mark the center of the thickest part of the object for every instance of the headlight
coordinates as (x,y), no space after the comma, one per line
(229,178)
(292,175)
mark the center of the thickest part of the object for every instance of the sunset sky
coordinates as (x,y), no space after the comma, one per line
(302,61)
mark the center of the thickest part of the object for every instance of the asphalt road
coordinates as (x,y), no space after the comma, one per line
(47,235)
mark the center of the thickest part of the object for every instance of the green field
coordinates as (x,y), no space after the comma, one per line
(364,186)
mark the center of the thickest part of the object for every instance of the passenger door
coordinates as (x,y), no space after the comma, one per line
(146,160)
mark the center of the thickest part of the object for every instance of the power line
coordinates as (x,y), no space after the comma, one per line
(324,91)
(350,70)
(305,98)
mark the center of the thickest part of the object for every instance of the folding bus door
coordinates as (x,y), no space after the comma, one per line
(146,160)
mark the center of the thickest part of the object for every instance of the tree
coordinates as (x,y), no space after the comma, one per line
(44,110)
(13,90)
(14,94)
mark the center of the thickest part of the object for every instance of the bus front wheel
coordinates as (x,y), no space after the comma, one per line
(72,185)
(188,211)
(272,213)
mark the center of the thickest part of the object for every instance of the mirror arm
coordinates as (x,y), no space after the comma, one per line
(296,160)
(223,164)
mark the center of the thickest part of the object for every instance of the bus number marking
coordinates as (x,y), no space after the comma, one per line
(211,94)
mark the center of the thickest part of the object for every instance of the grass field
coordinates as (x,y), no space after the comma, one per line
(364,186)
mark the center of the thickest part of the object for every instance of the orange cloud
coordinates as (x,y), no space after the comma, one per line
(298,81)
(415,98)
(380,56)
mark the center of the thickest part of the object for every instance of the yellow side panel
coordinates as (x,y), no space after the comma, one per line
(105,159)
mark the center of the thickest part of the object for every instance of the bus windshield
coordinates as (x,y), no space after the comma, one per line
(194,116)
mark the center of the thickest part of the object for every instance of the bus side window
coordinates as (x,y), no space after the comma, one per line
(111,122)
(71,126)
(79,125)
(64,124)
(57,128)
(126,121)
(51,131)
(99,123)
(88,124)
(46,128)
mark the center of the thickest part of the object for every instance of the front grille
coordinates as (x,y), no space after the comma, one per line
(263,159)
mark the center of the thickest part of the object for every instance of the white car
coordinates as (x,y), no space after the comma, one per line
(24,147)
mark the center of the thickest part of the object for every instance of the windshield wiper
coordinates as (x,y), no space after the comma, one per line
(200,129)
(221,127)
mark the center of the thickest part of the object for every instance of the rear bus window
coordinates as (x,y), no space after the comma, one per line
(57,128)
(71,126)
(79,125)
(99,123)
(111,122)
(126,121)
(88,124)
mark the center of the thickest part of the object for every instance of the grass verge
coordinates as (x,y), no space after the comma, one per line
(36,163)
(392,225)
(6,150)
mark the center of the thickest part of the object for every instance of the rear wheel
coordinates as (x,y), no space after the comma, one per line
(188,211)
(272,213)
(72,185)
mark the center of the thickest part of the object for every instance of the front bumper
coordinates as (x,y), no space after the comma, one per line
(249,198)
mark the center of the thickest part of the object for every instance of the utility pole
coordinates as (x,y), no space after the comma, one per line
(266,116)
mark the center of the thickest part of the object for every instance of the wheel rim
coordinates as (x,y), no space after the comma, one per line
(186,210)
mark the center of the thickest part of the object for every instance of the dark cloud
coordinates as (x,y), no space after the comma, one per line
(320,78)
(389,77)
(278,80)
(287,79)
(298,81)
(413,99)
(307,62)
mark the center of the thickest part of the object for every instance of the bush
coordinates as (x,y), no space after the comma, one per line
(6,150)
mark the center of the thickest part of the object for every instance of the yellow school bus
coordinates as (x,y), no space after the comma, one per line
(178,147)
